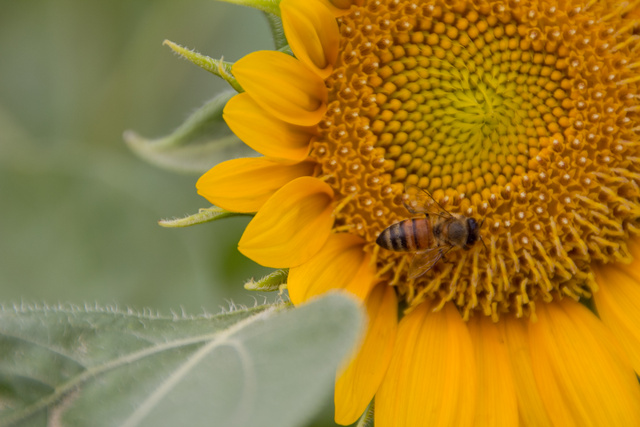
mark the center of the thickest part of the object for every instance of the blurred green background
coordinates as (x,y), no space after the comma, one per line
(79,210)
(78,221)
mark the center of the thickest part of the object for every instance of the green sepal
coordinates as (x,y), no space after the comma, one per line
(366,420)
(268,6)
(198,144)
(286,49)
(277,30)
(218,67)
(269,283)
(204,215)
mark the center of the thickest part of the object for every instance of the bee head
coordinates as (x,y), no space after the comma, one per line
(472,238)
(474,233)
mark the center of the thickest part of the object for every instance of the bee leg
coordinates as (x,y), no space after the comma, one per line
(443,255)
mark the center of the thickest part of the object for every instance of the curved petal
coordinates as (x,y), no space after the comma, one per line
(531,410)
(356,386)
(312,33)
(431,380)
(341,7)
(265,133)
(244,185)
(583,373)
(618,302)
(340,264)
(283,86)
(496,402)
(291,226)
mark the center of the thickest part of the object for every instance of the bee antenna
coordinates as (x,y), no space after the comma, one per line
(483,244)
(481,239)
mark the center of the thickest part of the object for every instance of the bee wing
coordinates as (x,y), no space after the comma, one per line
(423,261)
(420,201)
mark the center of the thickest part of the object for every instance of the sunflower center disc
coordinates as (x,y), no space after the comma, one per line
(521,115)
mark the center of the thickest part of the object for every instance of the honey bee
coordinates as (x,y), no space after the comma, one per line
(431,237)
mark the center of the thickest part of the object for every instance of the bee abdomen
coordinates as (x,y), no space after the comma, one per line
(408,235)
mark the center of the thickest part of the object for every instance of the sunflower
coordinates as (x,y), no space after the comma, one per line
(524,115)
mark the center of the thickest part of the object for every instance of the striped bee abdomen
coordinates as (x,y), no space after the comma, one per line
(409,235)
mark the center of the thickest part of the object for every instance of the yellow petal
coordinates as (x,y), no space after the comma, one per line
(265,133)
(363,280)
(531,410)
(291,226)
(356,386)
(618,302)
(312,33)
(244,185)
(340,264)
(283,86)
(496,402)
(431,380)
(341,7)
(581,370)
(342,4)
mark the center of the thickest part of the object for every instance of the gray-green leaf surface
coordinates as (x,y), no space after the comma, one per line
(266,366)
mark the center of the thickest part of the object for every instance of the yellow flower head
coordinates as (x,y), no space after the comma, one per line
(522,115)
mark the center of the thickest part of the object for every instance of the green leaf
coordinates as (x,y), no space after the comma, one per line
(204,215)
(215,66)
(269,283)
(201,142)
(92,366)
